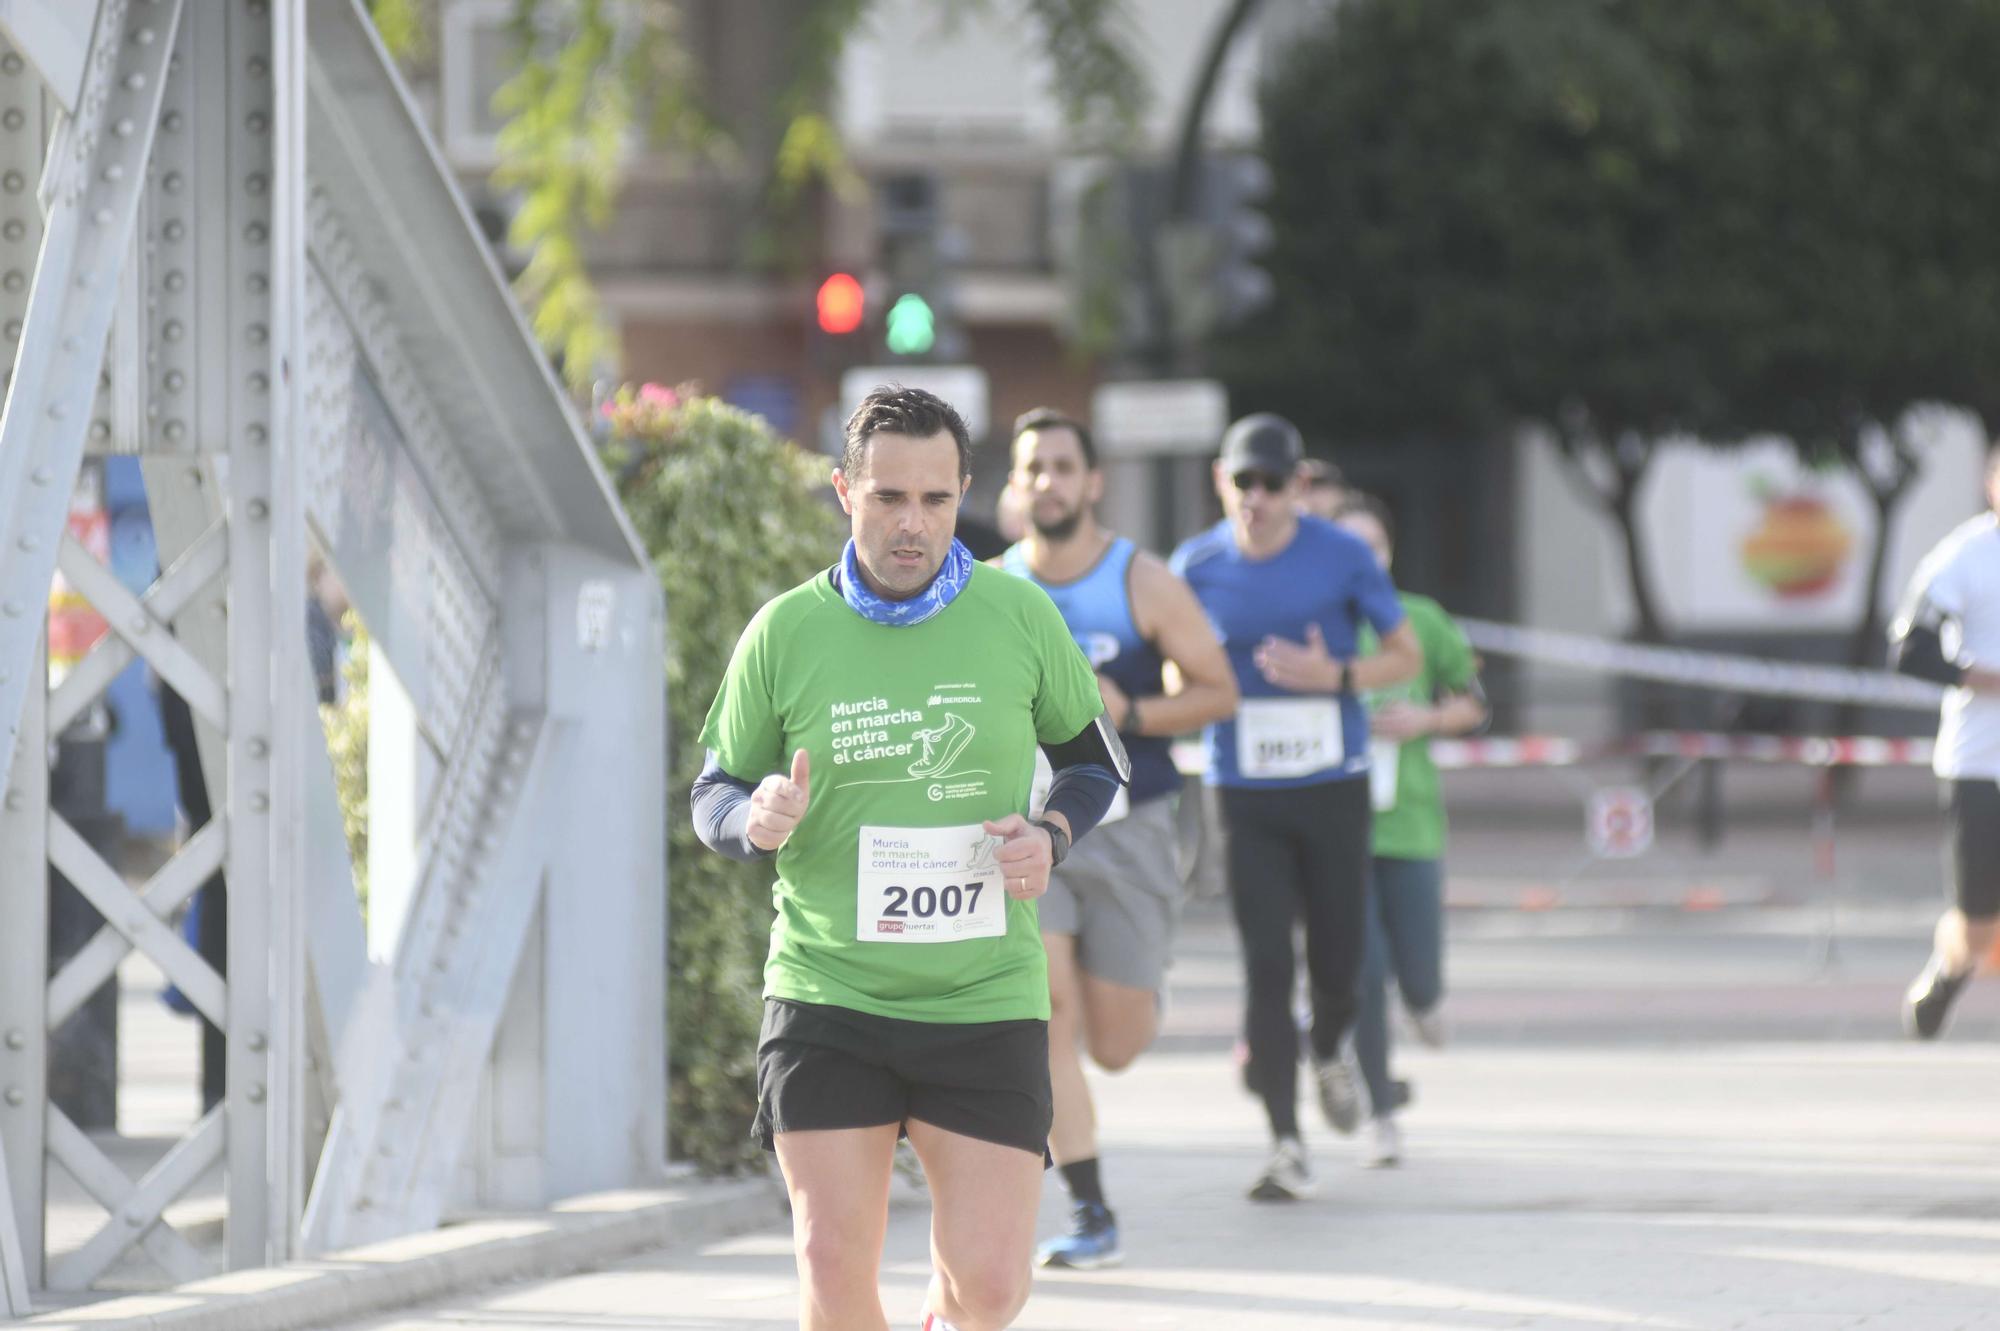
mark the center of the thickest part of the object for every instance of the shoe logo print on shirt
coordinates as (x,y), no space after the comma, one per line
(942,745)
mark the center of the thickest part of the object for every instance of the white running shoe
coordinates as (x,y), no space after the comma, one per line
(909,1168)
(1429,1026)
(1384,1147)
(1286,1176)
(1342,1097)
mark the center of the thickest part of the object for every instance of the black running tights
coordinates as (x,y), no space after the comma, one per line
(1292,852)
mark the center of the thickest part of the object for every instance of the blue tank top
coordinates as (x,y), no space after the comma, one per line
(1098,609)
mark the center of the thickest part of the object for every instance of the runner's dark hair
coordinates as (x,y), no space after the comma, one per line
(894,409)
(1048,418)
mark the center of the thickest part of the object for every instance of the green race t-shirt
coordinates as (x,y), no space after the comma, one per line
(1412,826)
(886,896)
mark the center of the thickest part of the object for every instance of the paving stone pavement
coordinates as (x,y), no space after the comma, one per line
(1704,1124)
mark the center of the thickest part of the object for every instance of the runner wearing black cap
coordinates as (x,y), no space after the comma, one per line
(1288,595)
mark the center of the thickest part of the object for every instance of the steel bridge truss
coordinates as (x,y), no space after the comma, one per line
(229,248)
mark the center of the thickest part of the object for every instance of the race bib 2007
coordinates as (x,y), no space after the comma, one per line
(929,885)
(1287,737)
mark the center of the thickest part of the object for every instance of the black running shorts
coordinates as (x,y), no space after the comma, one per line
(821,1067)
(1972,845)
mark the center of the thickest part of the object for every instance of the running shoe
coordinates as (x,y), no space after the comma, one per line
(1429,1026)
(1385,1143)
(909,1168)
(1092,1240)
(1286,1177)
(1930,998)
(932,1322)
(1342,1098)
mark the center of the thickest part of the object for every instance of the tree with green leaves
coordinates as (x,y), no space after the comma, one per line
(1624,220)
(592,73)
(732,515)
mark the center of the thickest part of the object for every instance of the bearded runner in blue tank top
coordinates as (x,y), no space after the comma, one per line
(1098,610)
(1288,595)
(1108,919)
(905,989)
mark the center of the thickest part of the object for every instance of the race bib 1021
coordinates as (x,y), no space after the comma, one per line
(1278,738)
(929,885)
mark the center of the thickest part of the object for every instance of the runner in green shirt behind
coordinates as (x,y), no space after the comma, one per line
(875,737)
(1406,906)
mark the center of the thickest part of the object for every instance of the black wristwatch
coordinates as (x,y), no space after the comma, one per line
(1058,840)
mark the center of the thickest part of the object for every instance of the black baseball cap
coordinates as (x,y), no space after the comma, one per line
(1264,442)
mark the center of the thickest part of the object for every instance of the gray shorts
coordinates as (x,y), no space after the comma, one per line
(1972,846)
(1119,895)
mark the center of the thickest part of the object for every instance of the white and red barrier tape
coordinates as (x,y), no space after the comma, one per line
(1711,670)
(1807,751)
(1558,751)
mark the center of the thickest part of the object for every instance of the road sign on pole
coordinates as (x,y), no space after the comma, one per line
(1620,822)
(964,386)
(1159,416)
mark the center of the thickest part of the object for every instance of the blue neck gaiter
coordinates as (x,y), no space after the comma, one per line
(952,575)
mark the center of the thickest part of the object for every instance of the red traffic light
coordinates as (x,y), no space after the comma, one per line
(840,304)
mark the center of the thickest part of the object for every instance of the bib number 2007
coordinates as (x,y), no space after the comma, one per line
(925,902)
(928,885)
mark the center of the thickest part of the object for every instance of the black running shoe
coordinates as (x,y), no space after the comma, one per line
(1929,999)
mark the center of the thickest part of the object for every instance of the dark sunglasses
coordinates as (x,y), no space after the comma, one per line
(1260,480)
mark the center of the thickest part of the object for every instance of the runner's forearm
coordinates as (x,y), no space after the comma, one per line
(1386,667)
(721,807)
(1081,794)
(1458,714)
(1161,714)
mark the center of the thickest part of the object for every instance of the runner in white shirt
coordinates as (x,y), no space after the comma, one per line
(1948,630)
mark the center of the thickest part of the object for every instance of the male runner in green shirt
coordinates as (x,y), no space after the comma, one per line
(876,732)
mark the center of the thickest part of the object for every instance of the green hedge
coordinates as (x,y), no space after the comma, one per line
(728,513)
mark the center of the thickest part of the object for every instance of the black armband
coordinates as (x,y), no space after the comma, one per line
(1088,768)
(1917,646)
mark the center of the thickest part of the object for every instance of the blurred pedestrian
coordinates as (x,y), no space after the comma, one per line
(1406,892)
(1108,919)
(1948,631)
(873,740)
(1289,595)
(1322,488)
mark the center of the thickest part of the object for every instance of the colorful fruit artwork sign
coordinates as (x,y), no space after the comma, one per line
(1798,548)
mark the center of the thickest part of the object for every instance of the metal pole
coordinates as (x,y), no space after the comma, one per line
(24,964)
(1825,870)
(241,341)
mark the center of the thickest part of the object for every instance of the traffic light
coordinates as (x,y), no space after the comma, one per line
(1210,261)
(1234,189)
(842,305)
(918,252)
(912,327)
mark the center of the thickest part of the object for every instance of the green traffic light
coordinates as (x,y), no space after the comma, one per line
(912,327)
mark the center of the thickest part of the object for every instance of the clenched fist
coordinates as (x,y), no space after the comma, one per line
(1024,857)
(778,803)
